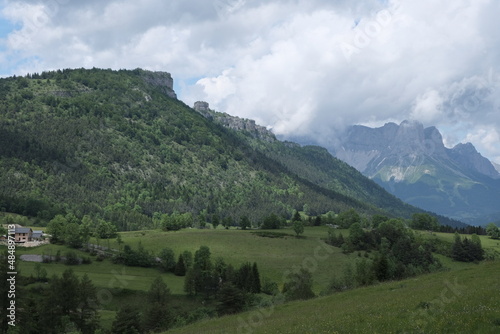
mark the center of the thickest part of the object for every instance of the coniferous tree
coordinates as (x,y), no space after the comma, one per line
(296,217)
(256,285)
(88,308)
(381,268)
(127,321)
(158,316)
(230,300)
(180,266)
(317,221)
(215,221)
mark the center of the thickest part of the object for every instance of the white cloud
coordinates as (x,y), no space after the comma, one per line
(427,107)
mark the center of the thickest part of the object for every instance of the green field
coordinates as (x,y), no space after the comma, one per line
(457,301)
(274,256)
(384,308)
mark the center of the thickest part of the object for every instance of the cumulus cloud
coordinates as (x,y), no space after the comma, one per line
(300,67)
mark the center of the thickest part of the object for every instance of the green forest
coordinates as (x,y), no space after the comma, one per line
(113,145)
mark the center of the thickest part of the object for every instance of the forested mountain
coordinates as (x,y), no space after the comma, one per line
(315,164)
(118,144)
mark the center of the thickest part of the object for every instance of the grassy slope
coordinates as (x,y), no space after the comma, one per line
(465,300)
(339,312)
(273,256)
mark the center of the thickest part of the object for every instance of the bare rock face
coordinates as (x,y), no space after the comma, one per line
(234,122)
(466,155)
(203,108)
(161,80)
(497,166)
(412,163)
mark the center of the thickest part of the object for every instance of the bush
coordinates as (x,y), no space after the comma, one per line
(269,287)
(71,258)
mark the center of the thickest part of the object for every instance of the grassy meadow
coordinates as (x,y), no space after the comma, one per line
(411,306)
(465,300)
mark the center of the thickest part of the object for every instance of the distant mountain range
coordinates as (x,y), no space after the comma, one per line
(497,166)
(412,163)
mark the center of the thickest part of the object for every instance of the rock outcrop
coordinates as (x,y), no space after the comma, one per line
(233,122)
(161,80)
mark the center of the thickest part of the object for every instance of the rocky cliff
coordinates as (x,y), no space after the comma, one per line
(162,80)
(233,122)
(406,145)
(412,162)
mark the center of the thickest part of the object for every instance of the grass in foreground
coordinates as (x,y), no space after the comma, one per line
(460,301)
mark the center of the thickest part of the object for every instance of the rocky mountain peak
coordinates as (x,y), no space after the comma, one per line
(411,161)
(467,155)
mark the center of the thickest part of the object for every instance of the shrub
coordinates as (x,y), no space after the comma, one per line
(71,258)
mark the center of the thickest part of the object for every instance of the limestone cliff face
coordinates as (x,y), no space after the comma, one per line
(466,155)
(162,80)
(405,145)
(497,166)
(233,122)
(411,162)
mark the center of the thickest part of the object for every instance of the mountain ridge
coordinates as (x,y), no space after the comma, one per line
(118,145)
(314,163)
(412,162)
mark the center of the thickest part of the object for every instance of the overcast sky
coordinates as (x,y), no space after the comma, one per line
(302,67)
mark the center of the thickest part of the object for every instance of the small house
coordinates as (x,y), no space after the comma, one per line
(23,234)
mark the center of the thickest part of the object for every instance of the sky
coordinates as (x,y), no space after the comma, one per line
(300,67)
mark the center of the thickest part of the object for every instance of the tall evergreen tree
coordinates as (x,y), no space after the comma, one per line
(88,308)
(230,300)
(127,321)
(256,285)
(158,316)
(180,266)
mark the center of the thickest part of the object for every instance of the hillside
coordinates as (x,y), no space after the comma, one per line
(315,164)
(118,144)
(458,301)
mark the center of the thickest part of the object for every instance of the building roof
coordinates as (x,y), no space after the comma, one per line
(23,230)
(36,234)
